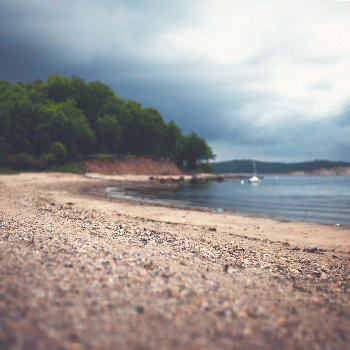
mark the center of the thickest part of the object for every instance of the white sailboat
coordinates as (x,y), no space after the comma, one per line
(254,178)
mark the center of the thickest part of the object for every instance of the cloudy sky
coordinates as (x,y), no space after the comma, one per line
(257,79)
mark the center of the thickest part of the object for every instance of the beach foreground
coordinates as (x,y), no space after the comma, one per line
(79,271)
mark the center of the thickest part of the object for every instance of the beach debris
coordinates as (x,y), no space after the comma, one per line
(219,178)
(194,180)
(311,250)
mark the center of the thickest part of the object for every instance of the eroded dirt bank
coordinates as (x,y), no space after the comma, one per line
(80,272)
(133,166)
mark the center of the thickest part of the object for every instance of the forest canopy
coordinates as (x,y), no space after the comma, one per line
(66,118)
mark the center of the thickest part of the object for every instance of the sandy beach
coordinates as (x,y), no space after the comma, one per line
(83,271)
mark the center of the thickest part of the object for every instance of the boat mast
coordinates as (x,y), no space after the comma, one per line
(254,168)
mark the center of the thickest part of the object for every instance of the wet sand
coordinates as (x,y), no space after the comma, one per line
(88,272)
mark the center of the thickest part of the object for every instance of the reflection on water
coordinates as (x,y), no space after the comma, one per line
(324,199)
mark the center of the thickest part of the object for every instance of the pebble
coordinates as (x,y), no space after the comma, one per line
(74,278)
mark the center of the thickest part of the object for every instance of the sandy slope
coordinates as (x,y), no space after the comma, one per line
(85,272)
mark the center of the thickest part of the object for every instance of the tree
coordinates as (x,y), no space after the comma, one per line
(63,122)
(152,132)
(4,85)
(113,107)
(64,118)
(38,91)
(130,122)
(91,98)
(17,119)
(196,149)
(174,143)
(58,150)
(143,130)
(59,88)
(109,130)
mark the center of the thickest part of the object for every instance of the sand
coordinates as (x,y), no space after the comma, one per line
(296,233)
(84,271)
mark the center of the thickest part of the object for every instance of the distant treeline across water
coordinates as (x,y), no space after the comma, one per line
(246,166)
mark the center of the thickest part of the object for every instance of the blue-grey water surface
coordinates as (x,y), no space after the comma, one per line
(322,199)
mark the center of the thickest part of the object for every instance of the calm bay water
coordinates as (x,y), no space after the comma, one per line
(322,199)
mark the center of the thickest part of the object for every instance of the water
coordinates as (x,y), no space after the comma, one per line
(322,199)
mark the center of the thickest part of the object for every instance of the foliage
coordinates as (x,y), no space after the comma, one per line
(49,123)
(7,171)
(17,119)
(204,168)
(71,167)
(108,128)
(22,161)
(101,156)
(63,123)
(58,150)
(175,143)
(196,149)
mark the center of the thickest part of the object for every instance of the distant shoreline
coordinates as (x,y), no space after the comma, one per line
(339,171)
(313,167)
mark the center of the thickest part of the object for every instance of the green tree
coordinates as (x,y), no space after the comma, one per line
(17,118)
(196,149)
(152,133)
(4,85)
(109,130)
(174,143)
(38,91)
(67,117)
(92,98)
(63,122)
(59,150)
(143,130)
(59,88)
(130,122)
(113,107)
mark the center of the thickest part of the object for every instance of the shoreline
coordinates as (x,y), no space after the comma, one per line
(297,233)
(147,185)
(212,210)
(80,271)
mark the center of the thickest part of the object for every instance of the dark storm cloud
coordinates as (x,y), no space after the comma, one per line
(231,72)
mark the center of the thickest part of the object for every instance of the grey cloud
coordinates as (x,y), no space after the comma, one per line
(319,60)
(325,86)
(201,95)
(344,119)
(81,31)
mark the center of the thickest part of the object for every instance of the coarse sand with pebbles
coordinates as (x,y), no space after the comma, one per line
(83,271)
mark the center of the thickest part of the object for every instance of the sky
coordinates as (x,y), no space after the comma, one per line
(257,79)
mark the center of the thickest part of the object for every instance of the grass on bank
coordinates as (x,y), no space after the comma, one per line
(203,169)
(7,171)
(71,167)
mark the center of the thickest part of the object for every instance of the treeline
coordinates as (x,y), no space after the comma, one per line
(65,119)
(246,166)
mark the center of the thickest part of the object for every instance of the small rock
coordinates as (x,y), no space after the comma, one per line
(139,309)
